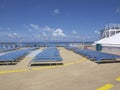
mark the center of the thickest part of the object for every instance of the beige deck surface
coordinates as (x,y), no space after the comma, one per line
(73,75)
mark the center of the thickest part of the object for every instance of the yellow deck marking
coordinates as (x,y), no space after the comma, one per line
(39,68)
(118,79)
(79,61)
(11,71)
(106,87)
(70,63)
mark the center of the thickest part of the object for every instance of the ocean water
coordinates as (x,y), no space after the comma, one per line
(39,44)
(36,44)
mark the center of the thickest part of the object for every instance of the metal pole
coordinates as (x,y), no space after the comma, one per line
(83,42)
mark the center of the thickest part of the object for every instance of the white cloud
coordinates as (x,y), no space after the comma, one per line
(44,34)
(46,28)
(59,32)
(16,35)
(74,32)
(118,10)
(37,36)
(77,37)
(30,30)
(10,35)
(35,27)
(97,32)
(56,11)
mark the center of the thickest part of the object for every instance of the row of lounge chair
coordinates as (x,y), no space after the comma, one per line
(4,48)
(7,49)
(14,56)
(48,55)
(71,48)
(96,55)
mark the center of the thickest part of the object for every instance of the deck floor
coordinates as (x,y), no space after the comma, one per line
(76,73)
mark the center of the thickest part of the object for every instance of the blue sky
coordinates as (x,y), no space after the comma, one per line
(56,20)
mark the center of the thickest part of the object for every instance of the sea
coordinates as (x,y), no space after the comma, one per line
(5,45)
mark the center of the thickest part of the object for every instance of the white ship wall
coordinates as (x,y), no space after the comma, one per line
(110,45)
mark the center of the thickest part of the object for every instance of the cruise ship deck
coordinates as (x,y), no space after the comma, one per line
(76,73)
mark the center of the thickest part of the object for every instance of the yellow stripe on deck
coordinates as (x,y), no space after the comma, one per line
(40,68)
(12,71)
(79,61)
(118,79)
(70,63)
(105,87)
